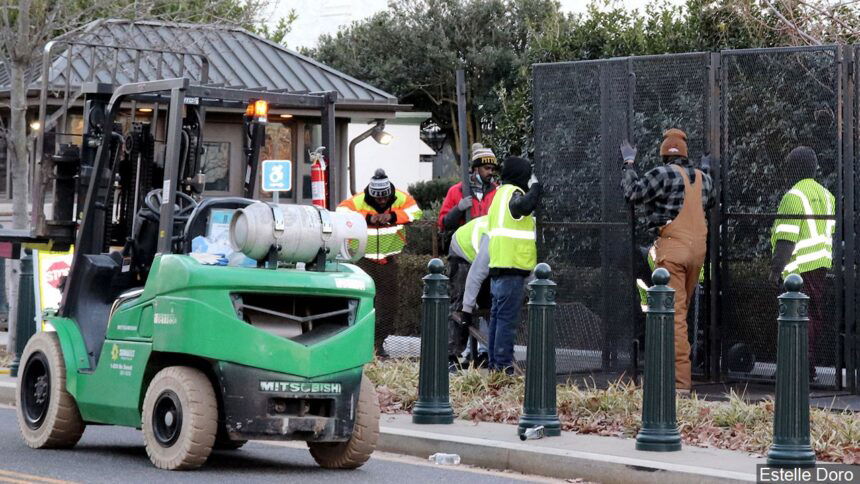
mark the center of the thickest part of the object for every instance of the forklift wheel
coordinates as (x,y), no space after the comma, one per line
(180,418)
(354,452)
(47,415)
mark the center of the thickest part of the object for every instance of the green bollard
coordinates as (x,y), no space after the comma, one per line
(434,404)
(539,407)
(659,431)
(791,446)
(25,323)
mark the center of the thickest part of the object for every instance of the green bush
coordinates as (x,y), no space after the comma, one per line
(427,192)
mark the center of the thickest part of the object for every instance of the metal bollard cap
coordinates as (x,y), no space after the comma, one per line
(436,266)
(793,283)
(660,277)
(543,271)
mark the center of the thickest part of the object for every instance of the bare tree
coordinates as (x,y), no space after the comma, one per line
(806,22)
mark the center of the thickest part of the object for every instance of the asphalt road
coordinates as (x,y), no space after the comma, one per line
(116,454)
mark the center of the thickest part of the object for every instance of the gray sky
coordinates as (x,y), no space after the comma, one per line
(317,17)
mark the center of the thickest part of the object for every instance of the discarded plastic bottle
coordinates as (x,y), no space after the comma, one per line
(532,433)
(445,459)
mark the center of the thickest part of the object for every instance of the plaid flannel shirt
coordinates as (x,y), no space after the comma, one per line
(661,192)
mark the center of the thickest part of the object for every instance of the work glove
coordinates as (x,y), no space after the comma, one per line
(465,204)
(465,318)
(532,180)
(628,152)
(705,162)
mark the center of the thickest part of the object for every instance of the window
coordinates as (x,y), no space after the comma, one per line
(215,163)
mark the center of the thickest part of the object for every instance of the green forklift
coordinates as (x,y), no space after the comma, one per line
(199,356)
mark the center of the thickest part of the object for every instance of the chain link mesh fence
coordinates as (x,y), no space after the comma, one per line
(582,113)
(773,102)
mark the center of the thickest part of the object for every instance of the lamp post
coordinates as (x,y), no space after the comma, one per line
(378,134)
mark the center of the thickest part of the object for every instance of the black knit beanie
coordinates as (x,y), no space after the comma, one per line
(516,171)
(801,163)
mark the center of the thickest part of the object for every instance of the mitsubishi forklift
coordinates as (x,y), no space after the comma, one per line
(197,355)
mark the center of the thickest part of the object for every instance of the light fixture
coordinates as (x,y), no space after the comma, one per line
(35,126)
(144,110)
(378,134)
(286,116)
(381,136)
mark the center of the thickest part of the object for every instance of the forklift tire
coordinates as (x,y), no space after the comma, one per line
(224,442)
(48,416)
(180,418)
(354,452)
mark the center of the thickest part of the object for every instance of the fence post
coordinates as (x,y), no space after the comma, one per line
(659,431)
(539,407)
(25,323)
(434,404)
(791,446)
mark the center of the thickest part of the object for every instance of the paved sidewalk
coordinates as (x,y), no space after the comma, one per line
(596,458)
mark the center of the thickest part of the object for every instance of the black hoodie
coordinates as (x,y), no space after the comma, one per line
(517,171)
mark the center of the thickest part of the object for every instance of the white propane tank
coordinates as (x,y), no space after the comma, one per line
(298,232)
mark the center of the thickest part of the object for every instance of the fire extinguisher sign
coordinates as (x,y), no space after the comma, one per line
(277,175)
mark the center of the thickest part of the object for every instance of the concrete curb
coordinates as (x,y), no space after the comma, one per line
(524,458)
(549,462)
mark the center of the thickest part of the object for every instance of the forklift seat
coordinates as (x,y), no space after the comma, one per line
(91,299)
(198,221)
(143,243)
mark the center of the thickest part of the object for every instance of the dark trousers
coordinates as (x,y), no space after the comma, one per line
(505,314)
(815,286)
(385,277)
(458,334)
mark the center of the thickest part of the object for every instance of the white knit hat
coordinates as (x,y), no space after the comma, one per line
(379,185)
(483,156)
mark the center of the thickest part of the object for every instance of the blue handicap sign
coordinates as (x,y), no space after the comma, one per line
(277,175)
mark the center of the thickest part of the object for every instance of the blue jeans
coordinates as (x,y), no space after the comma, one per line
(505,313)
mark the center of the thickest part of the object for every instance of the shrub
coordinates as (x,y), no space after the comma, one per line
(427,192)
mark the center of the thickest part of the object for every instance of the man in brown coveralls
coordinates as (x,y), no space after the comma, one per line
(675,197)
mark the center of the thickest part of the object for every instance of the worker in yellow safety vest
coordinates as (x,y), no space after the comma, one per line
(512,250)
(802,244)
(462,252)
(387,211)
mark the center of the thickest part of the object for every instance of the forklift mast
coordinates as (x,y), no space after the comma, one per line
(117,169)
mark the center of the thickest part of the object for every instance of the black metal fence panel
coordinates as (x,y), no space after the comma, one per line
(774,100)
(671,91)
(582,113)
(750,108)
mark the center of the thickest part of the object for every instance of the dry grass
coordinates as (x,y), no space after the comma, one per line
(616,411)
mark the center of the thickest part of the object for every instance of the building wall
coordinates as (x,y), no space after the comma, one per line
(399,159)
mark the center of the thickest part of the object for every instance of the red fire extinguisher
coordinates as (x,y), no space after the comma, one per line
(318,178)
